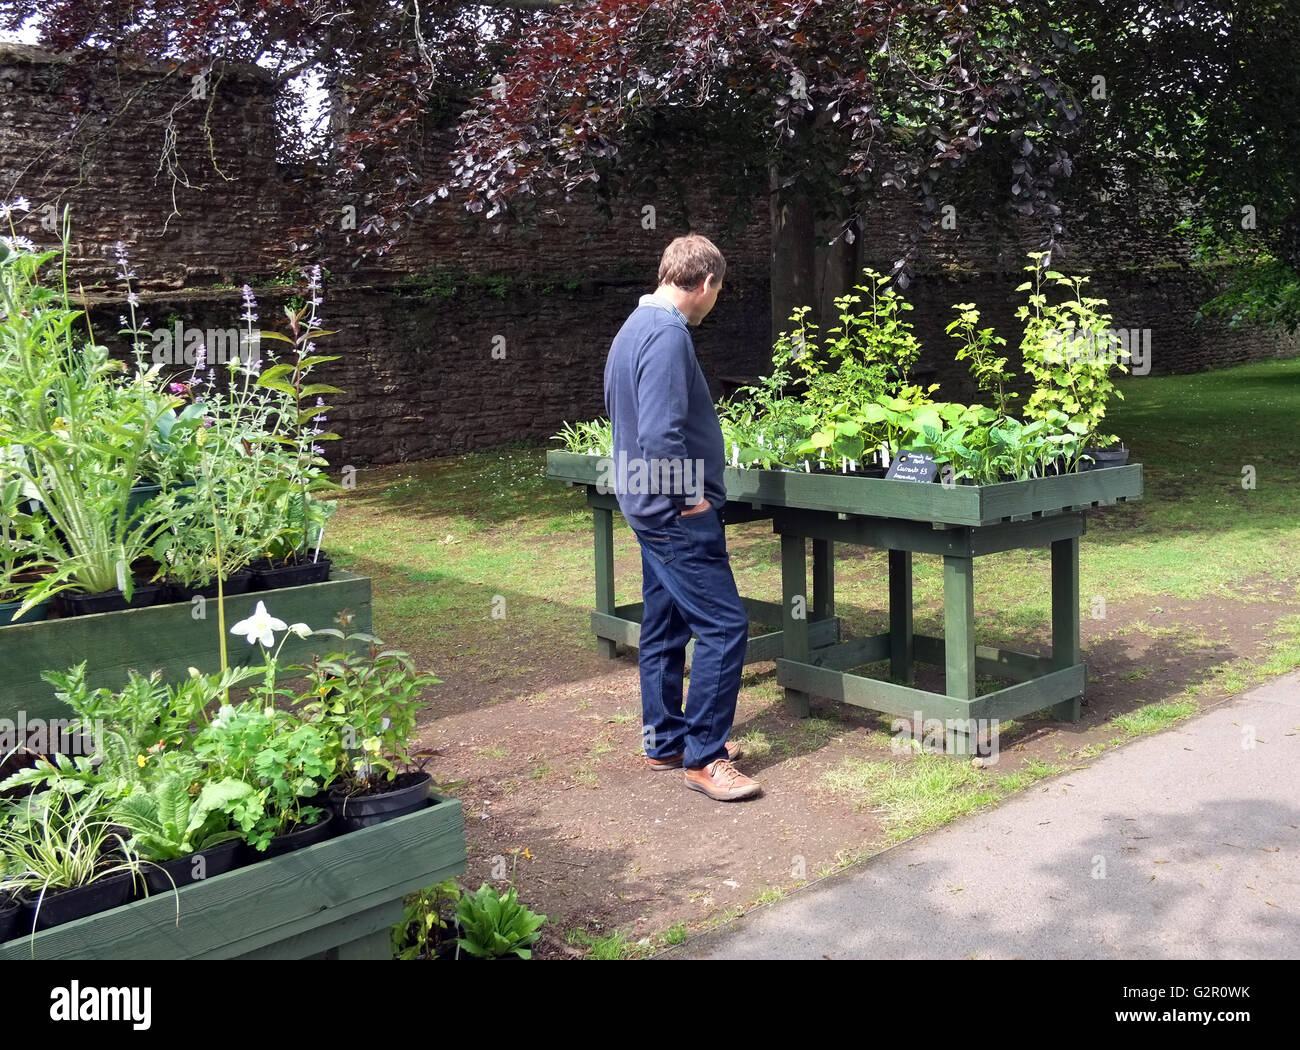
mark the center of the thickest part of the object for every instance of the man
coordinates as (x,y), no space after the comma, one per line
(667,432)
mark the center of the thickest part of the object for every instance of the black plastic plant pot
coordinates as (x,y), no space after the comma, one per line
(68,905)
(1102,458)
(239,583)
(270,578)
(35,614)
(410,791)
(10,910)
(140,495)
(307,835)
(111,601)
(448,947)
(161,877)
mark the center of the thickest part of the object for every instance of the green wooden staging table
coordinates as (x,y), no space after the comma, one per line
(616,625)
(959,523)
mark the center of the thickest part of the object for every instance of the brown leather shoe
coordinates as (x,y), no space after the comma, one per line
(734,751)
(722,781)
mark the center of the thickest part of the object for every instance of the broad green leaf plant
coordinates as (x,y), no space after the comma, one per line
(1069,351)
(496,924)
(365,702)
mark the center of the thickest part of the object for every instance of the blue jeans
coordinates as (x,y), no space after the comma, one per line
(688,589)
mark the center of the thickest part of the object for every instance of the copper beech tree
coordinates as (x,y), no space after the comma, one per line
(824,106)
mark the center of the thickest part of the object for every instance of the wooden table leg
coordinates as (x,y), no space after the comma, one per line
(794,625)
(603,529)
(959,641)
(823,588)
(1065,619)
(901,646)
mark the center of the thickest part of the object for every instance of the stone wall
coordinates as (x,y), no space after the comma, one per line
(417,330)
(92,135)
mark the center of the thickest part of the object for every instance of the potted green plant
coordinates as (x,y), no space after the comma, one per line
(979,347)
(587,439)
(429,929)
(225,519)
(10,905)
(496,925)
(294,555)
(219,528)
(65,857)
(286,763)
(1069,351)
(83,421)
(187,832)
(19,569)
(365,701)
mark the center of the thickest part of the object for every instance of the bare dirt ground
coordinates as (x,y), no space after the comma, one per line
(555,767)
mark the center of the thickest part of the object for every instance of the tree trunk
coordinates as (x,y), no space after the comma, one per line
(794,264)
(839,270)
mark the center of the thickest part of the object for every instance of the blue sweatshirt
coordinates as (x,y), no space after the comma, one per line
(667,439)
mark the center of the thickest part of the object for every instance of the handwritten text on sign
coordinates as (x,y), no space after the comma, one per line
(913,466)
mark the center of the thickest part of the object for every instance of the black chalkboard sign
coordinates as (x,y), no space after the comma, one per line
(913,466)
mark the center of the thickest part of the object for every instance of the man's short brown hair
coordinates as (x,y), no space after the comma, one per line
(690,259)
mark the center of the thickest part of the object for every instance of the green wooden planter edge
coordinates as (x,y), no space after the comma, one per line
(166,637)
(959,505)
(294,899)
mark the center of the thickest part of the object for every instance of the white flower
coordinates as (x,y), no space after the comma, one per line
(259,627)
(223,716)
(6,210)
(300,629)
